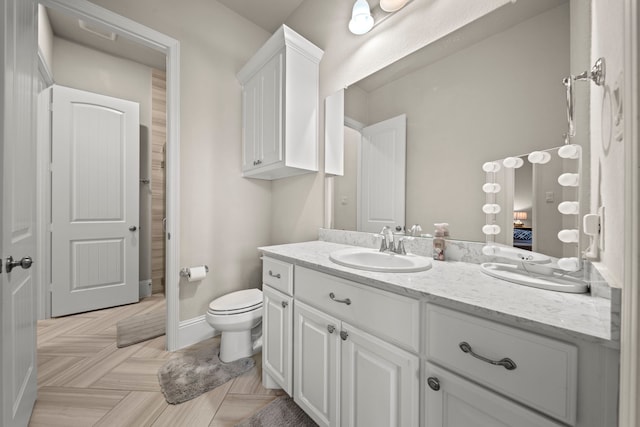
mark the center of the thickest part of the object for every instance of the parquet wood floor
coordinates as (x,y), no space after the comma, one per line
(85,380)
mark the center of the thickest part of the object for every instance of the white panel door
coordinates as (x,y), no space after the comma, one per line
(380,383)
(276,348)
(17,212)
(271,120)
(453,402)
(95,201)
(316,361)
(250,123)
(382,179)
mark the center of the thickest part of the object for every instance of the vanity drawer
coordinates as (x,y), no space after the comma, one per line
(278,274)
(392,317)
(545,372)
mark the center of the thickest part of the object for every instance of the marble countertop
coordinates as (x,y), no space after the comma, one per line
(462,285)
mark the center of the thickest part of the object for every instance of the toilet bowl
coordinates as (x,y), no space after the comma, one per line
(238,316)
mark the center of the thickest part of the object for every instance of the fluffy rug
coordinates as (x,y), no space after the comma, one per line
(197,371)
(141,327)
(282,412)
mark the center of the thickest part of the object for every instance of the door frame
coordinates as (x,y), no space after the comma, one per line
(629,392)
(153,39)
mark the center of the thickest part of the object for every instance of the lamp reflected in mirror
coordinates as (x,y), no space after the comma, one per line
(518,217)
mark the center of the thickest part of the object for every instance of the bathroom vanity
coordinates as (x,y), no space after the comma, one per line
(448,346)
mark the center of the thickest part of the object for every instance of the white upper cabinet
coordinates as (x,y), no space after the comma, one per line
(280,107)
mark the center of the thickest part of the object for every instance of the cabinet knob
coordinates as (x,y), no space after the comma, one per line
(331,328)
(344,335)
(434,383)
(284,304)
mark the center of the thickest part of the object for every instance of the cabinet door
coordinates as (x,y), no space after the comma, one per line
(276,347)
(271,108)
(380,382)
(452,401)
(316,360)
(251,122)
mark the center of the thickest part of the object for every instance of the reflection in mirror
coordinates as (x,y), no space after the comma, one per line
(534,208)
(487,91)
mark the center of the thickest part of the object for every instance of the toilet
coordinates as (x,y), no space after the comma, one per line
(238,316)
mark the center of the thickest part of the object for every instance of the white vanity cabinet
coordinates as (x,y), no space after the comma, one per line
(277,290)
(280,104)
(344,375)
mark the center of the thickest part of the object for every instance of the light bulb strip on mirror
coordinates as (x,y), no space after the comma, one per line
(565,161)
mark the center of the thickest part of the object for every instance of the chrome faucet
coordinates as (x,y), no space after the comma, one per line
(388,243)
(387,239)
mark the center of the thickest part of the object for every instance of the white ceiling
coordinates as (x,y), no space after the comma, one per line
(266,14)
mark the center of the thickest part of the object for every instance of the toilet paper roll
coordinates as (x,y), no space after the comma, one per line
(197,273)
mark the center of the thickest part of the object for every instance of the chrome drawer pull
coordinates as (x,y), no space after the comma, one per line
(284,304)
(277,276)
(507,363)
(331,329)
(344,335)
(344,301)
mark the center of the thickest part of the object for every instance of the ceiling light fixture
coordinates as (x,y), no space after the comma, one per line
(361,19)
(392,5)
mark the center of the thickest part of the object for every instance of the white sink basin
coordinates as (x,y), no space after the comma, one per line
(374,260)
(554,282)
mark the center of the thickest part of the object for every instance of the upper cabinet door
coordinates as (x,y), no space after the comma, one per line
(250,123)
(270,147)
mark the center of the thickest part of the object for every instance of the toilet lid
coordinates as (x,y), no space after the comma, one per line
(237,301)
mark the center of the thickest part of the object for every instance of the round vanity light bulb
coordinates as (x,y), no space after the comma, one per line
(568,236)
(569,208)
(540,157)
(490,250)
(569,151)
(392,5)
(569,264)
(361,19)
(491,208)
(491,229)
(491,167)
(512,162)
(491,187)
(569,180)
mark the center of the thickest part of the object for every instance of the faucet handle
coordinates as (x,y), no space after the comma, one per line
(400,247)
(384,245)
(415,230)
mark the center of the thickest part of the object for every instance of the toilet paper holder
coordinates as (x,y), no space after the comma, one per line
(186,272)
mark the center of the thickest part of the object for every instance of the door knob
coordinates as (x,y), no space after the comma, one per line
(434,383)
(25,263)
(133,228)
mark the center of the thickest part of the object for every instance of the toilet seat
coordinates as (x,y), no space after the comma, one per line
(236,303)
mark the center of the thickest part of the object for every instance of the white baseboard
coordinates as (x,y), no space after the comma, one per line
(144,287)
(194,330)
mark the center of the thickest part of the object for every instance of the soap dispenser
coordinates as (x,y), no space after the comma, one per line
(441,231)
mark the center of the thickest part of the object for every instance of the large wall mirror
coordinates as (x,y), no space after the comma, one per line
(490,90)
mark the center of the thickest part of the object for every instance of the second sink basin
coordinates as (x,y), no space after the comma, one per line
(374,260)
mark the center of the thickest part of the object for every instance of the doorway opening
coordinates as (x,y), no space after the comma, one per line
(165,225)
